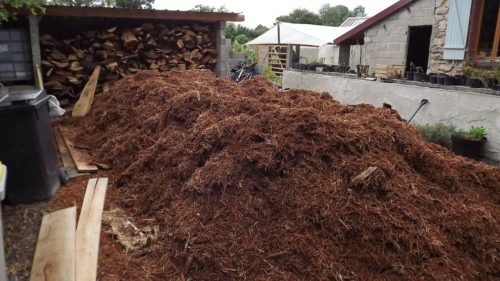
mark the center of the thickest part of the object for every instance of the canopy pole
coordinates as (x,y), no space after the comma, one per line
(279,35)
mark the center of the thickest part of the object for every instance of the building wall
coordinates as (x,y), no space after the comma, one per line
(460,108)
(386,41)
(329,54)
(355,55)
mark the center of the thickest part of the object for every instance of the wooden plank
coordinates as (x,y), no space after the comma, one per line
(88,231)
(87,199)
(54,258)
(102,12)
(82,106)
(66,159)
(81,159)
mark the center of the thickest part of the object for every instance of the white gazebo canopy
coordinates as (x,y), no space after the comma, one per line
(300,34)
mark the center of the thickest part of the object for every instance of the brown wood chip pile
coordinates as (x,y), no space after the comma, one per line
(248,182)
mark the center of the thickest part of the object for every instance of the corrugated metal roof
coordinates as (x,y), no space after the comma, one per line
(105,12)
(353,21)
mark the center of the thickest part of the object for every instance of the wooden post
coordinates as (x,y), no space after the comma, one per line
(279,35)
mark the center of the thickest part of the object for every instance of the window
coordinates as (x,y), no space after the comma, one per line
(487,39)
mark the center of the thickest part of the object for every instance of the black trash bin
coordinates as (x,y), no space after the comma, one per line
(27,147)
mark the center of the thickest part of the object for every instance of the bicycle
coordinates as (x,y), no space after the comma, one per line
(243,72)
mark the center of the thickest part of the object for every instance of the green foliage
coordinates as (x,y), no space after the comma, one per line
(496,73)
(130,4)
(232,31)
(8,8)
(476,73)
(438,133)
(135,4)
(301,16)
(333,16)
(475,133)
(359,11)
(327,15)
(239,47)
(210,9)
(267,72)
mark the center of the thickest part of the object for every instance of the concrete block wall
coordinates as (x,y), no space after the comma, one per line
(386,42)
(461,108)
(223,48)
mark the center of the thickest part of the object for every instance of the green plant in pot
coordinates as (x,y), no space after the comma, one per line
(410,72)
(418,75)
(439,133)
(469,143)
(474,78)
(496,78)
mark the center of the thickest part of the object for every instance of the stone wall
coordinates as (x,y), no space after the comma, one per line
(386,42)
(461,108)
(437,64)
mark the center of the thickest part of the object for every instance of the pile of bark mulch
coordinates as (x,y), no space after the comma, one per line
(250,182)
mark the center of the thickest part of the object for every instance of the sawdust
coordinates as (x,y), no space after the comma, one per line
(250,182)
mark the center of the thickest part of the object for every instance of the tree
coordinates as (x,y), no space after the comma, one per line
(8,8)
(327,15)
(359,11)
(301,16)
(135,4)
(130,4)
(207,8)
(233,31)
(333,16)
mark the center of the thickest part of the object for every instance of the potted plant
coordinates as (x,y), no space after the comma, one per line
(440,79)
(410,72)
(474,80)
(469,143)
(496,77)
(449,80)
(418,75)
(439,133)
(433,78)
(459,80)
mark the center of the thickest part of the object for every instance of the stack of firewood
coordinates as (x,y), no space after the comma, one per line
(68,64)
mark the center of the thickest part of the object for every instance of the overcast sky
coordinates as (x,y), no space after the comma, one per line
(265,12)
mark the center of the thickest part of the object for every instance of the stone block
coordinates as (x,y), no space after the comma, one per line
(371,46)
(394,47)
(371,32)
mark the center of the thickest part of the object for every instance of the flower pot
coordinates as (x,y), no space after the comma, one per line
(474,83)
(496,87)
(426,78)
(344,68)
(449,80)
(335,68)
(319,69)
(433,78)
(359,70)
(409,75)
(459,80)
(471,148)
(440,79)
(418,76)
(302,66)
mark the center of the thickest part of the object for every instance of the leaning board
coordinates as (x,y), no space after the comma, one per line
(55,249)
(89,230)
